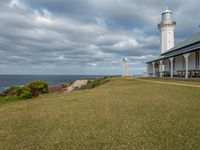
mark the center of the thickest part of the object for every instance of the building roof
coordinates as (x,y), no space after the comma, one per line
(190,41)
(187,46)
(158,59)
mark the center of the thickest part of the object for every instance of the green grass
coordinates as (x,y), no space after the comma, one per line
(93,83)
(121,114)
(4,100)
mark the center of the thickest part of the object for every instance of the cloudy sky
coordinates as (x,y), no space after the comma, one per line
(86,36)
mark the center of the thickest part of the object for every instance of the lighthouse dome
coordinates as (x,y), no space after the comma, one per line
(167,10)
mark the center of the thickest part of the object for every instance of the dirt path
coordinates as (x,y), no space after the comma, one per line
(170,83)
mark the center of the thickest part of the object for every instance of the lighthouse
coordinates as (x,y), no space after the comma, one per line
(125,67)
(166,28)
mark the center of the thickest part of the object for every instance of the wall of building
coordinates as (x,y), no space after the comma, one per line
(150,68)
(179,64)
(157,68)
(166,65)
(191,61)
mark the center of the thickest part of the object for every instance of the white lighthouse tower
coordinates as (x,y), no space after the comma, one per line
(166,28)
(125,67)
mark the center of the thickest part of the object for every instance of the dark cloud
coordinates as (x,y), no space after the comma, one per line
(85,37)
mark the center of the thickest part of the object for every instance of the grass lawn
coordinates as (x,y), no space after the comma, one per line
(121,114)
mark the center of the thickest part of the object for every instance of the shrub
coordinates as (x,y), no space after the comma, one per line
(38,87)
(14,90)
(25,93)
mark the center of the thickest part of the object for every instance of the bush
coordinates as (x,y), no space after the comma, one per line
(14,90)
(25,93)
(38,87)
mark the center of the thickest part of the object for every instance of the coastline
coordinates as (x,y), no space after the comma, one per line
(7,81)
(38,87)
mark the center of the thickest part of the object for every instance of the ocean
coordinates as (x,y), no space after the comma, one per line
(12,80)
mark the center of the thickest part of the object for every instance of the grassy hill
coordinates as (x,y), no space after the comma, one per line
(121,114)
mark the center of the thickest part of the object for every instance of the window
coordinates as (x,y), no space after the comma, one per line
(197,60)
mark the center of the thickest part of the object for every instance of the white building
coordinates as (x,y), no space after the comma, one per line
(181,60)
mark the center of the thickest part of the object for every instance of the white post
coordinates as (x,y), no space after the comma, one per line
(153,63)
(186,64)
(161,68)
(172,64)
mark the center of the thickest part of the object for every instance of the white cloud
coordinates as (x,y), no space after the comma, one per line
(17,3)
(131,43)
(92,64)
(61,57)
(43,18)
(144,57)
(47,13)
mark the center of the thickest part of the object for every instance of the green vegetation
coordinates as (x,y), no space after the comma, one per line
(121,114)
(27,91)
(38,87)
(92,83)
(8,99)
